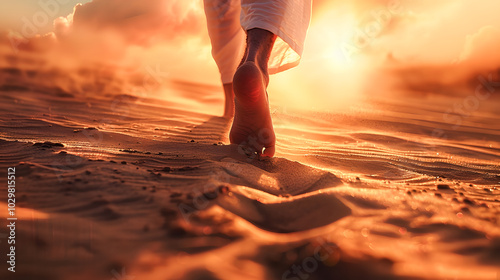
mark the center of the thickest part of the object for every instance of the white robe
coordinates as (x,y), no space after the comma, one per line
(228,20)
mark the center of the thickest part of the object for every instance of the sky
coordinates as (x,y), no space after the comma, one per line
(348,45)
(13,14)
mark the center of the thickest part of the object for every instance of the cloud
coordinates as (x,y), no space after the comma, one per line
(124,33)
(481,49)
(105,28)
(114,47)
(142,22)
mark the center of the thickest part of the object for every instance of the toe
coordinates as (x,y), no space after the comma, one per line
(268,151)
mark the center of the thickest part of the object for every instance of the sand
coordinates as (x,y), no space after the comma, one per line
(110,185)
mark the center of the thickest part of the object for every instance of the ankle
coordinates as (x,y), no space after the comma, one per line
(263,70)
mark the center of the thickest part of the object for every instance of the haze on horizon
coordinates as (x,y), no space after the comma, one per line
(348,45)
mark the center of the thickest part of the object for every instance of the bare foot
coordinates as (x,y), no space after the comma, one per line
(252,126)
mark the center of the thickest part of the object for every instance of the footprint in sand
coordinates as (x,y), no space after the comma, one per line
(281,195)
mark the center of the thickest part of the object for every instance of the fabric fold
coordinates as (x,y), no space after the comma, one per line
(228,20)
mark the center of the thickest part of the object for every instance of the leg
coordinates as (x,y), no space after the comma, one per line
(229,100)
(227,38)
(252,125)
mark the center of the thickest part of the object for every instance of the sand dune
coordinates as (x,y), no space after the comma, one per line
(114,184)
